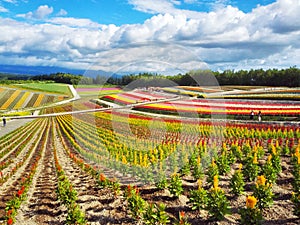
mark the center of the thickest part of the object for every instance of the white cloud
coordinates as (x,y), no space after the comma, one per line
(2,9)
(10,1)
(62,12)
(42,12)
(74,22)
(226,38)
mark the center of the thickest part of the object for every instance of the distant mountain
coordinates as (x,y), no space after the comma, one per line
(45,70)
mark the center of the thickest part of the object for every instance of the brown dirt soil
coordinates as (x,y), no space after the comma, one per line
(101,206)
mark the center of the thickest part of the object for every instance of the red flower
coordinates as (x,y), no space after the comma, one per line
(9,212)
(10,221)
(20,192)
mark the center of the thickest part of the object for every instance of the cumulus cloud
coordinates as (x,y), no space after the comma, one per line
(226,38)
(2,9)
(74,22)
(42,12)
(62,12)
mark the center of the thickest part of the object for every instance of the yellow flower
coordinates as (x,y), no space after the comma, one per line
(216,182)
(213,164)
(240,166)
(255,159)
(199,184)
(261,180)
(269,158)
(251,202)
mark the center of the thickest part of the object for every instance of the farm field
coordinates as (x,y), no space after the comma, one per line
(30,96)
(125,167)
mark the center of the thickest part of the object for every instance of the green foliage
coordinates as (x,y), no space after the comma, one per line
(175,185)
(251,168)
(296,203)
(47,87)
(218,204)
(198,199)
(155,214)
(223,164)
(250,216)
(136,204)
(75,215)
(263,192)
(269,170)
(162,183)
(237,182)
(212,172)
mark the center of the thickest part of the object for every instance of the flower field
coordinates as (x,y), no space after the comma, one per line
(118,168)
(17,99)
(205,106)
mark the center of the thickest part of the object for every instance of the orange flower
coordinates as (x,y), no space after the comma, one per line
(102,177)
(251,202)
(261,180)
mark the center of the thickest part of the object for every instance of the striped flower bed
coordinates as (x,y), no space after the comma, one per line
(22,100)
(10,99)
(231,108)
(18,99)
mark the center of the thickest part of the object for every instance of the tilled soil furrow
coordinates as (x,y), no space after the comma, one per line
(10,188)
(90,197)
(42,206)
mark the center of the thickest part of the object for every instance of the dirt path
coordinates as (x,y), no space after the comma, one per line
(101,206)
(42,206)
(12,125)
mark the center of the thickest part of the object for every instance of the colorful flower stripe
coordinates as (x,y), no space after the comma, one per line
(10,100)
(97,89)
(153,95)
(200,89)
(38,100)
(221,110)
(22,100)
(254,105)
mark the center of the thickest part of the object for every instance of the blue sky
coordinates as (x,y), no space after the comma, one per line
(150,35)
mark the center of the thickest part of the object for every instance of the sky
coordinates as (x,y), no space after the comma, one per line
(159,36)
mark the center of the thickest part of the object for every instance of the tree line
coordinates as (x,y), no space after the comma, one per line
(272,77)
(289,77)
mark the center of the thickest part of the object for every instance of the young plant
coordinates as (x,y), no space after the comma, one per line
(198,198)
(212,172)
(237,181)
(276,162)
(251,215)
(263,192)
(296,203)
(156,214)
(296,171)
(197,171)
(218,204)
(175,185)
(223,163)
(269,171)
(162,182)
(136,203)
(251,167)
(182,219)
(75,215)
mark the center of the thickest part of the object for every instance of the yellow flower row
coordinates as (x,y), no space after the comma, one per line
(22,100)
(39,100)
(10,99)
